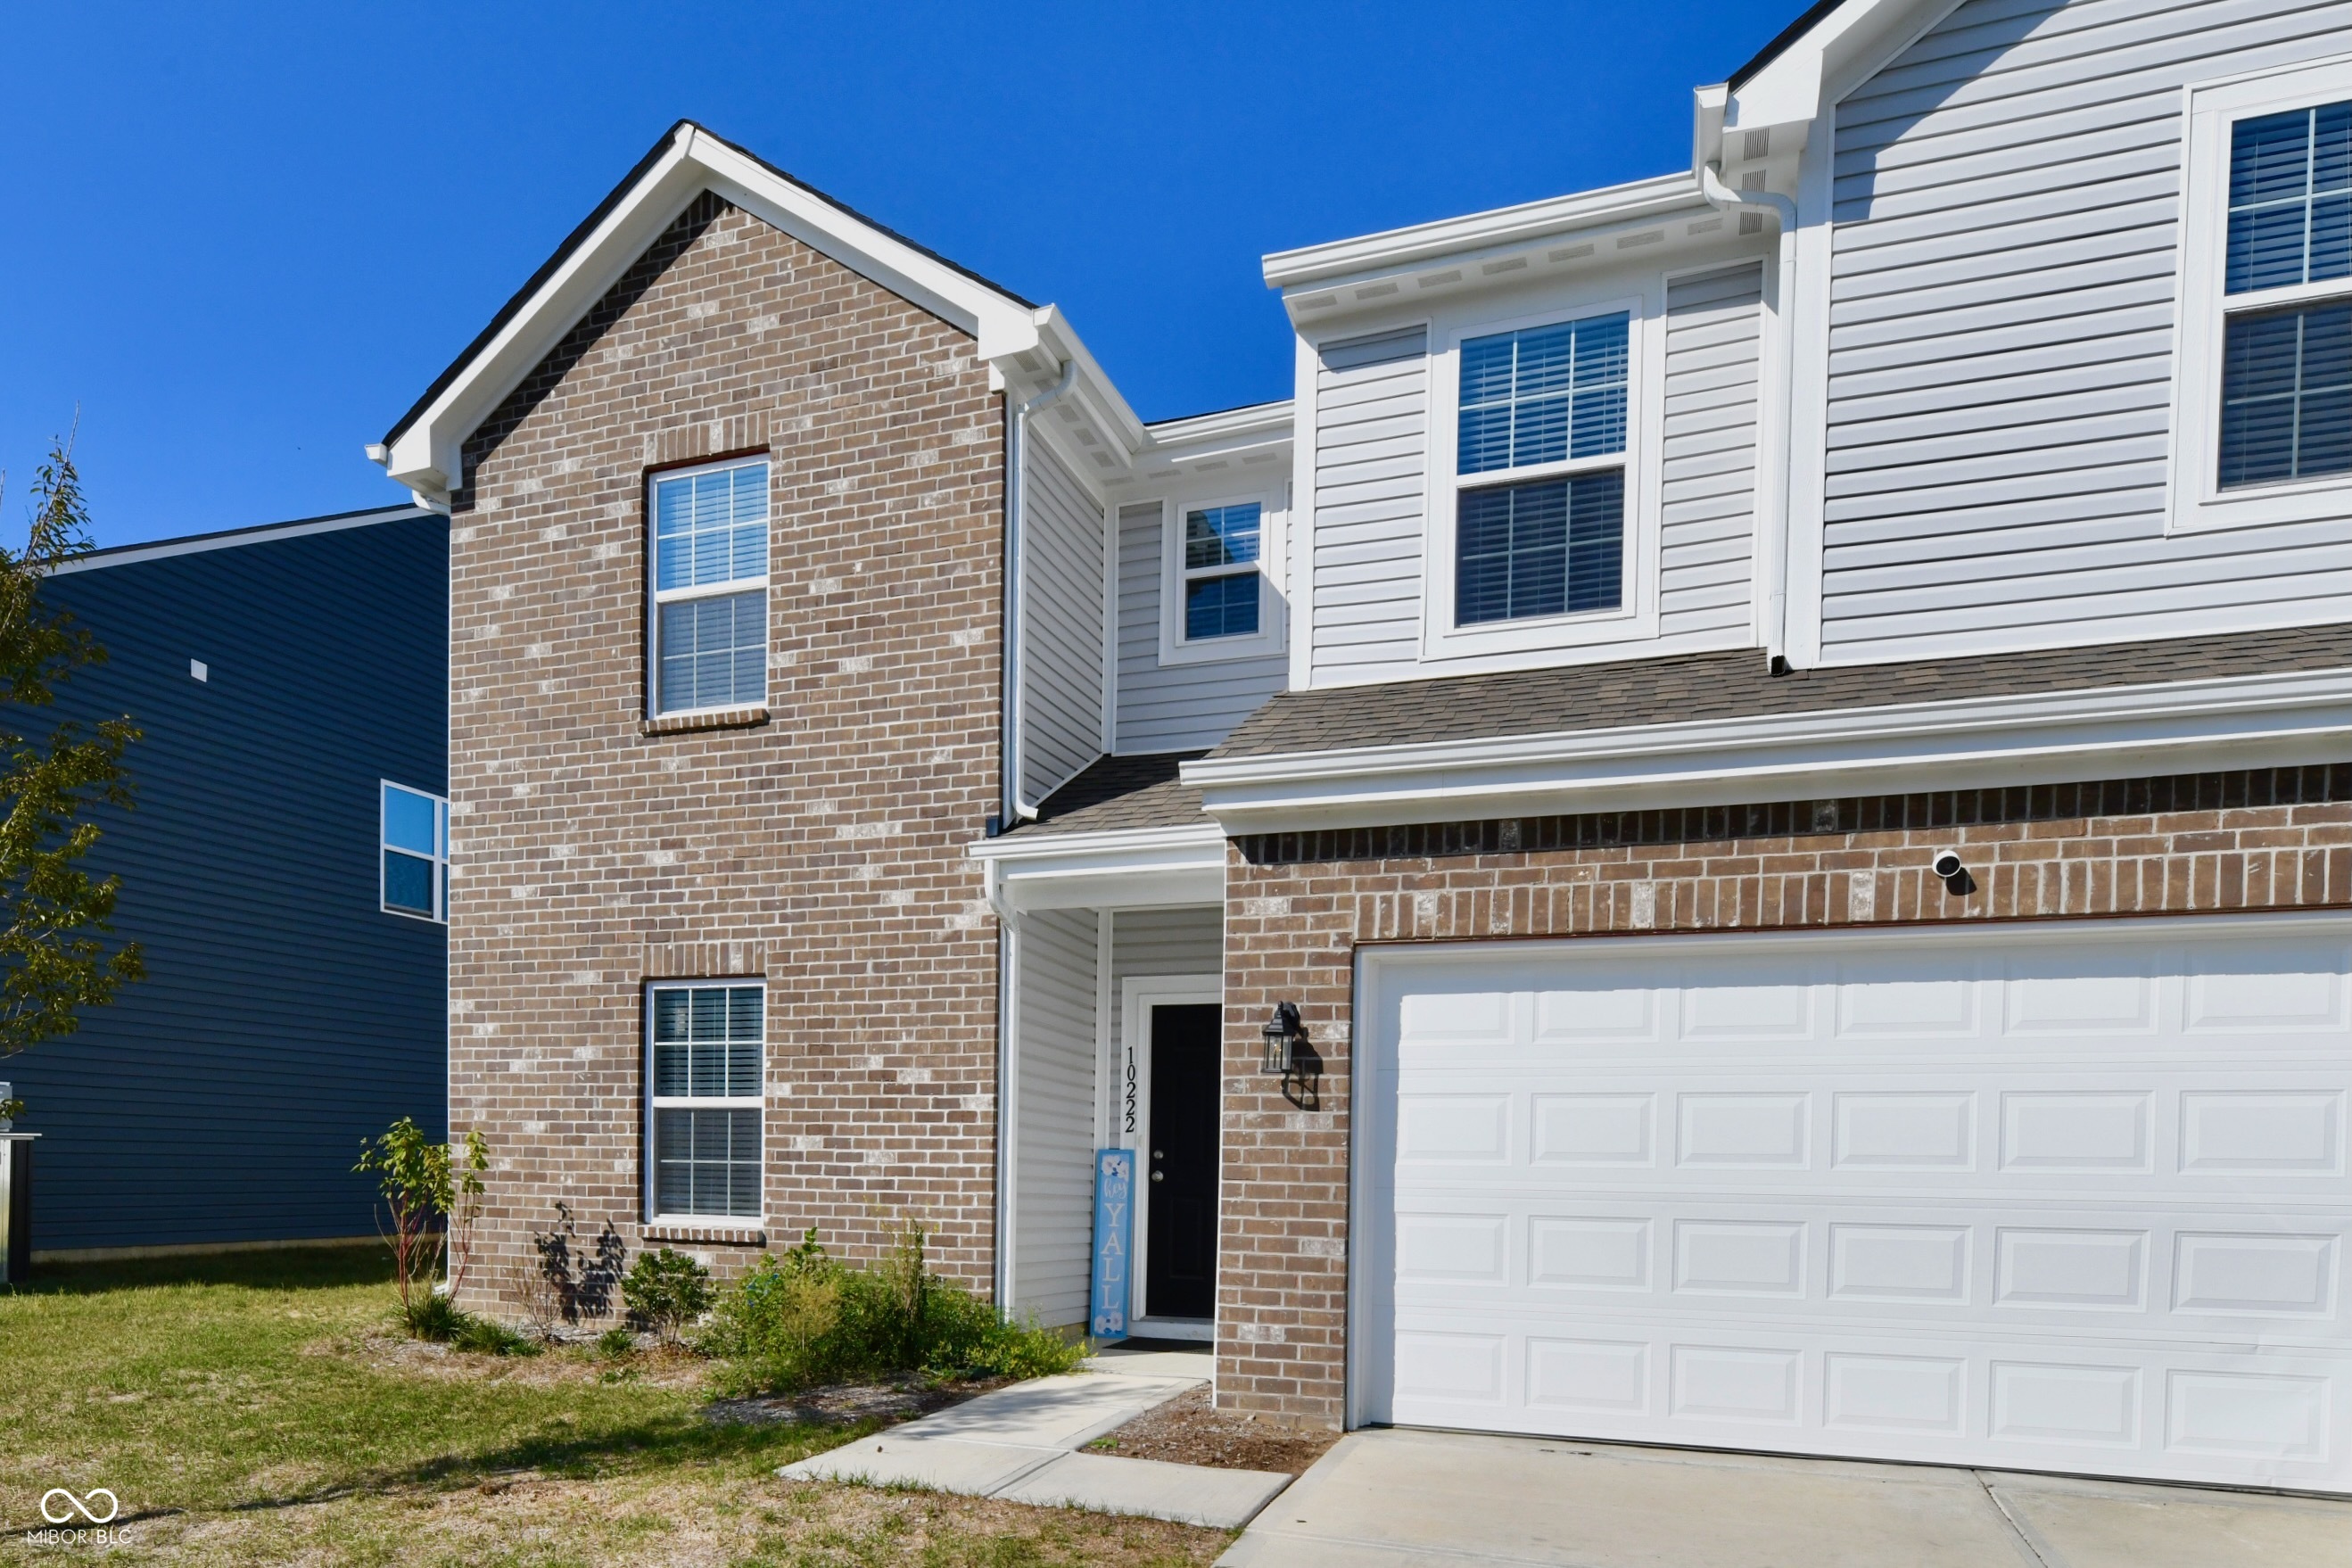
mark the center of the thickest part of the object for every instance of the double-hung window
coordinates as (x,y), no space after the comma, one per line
(711,588)
(413,828)
(2264,419)
(707,1047)
(1539,458)
(1221,574)
(2287,354)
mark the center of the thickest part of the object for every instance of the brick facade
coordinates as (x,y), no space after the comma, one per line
(1299,906)
(820,844)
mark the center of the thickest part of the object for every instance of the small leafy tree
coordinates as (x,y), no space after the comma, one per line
(666,1289)
(424,1184)
(54,914)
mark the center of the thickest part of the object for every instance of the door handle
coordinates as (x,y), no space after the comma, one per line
(1159,1175)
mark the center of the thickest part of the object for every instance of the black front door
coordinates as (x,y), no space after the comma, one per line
(1180,1154)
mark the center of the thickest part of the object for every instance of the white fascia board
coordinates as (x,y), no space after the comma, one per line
(1000,324)
(426,456)
(1789,91)
(1369,257)
(2040,738)
(1123,869)
(1256,422)
(1094,387)
(267,534)
(1227,436)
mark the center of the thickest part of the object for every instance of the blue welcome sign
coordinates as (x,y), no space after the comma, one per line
(1114,1220)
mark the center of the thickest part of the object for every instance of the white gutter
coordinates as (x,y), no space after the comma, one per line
(1772,543)
(2265,721)
(1016,809)
(1348,260)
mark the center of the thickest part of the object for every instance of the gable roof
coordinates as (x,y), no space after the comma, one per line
(422,450)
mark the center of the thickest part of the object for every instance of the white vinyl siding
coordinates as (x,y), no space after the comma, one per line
(1708,495)
(1174,707)
(2000,339)
(1052,1185)
(1062,639)
(1152,941)
(1371,431)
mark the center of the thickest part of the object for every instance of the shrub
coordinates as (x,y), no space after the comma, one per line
(432,1193)
(666,1289)
(616,1342)
(483,1337)
(804,1318)
(778,1326)
(433,1316)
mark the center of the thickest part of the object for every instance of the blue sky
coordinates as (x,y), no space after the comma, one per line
(243,239)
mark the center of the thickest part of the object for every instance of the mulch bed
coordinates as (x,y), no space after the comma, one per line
(1188,1430)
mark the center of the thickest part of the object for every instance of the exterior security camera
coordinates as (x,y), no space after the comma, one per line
(1948,865)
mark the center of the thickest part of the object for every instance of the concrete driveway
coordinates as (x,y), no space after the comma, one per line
(1389,1500)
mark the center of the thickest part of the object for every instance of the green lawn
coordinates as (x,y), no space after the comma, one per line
(254,1407)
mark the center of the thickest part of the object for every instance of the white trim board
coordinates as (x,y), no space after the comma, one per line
(2040,738)
(426,453)
(1126,869)
(1139,993)
(264,533)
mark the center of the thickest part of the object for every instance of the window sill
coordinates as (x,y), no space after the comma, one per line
(708,719)
(719,1234)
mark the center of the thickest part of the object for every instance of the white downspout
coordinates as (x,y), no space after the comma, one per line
(1015,808)
(1772,563)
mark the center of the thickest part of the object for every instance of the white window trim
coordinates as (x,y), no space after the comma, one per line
(1635,618)
(758,1102)
(2195,500)
(1272,614)
(1139,993)
(655,597)
(440,915)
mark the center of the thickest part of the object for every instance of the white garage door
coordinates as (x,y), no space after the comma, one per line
(2050,1197)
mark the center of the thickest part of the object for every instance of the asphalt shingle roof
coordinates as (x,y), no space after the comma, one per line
(1737,684)
(1120,793)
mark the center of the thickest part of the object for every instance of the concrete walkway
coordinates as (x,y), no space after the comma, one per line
(1436,1499)
(1021,1443)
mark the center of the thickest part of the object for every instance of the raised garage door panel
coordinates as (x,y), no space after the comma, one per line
(2062,1197)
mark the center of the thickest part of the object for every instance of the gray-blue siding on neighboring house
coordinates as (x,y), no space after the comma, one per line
(284,1014)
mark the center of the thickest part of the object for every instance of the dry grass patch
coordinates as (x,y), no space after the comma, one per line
(252,1409)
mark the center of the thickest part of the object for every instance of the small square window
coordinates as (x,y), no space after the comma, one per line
(414,846)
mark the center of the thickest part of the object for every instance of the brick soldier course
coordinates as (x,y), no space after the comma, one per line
(1299,906)
(818,843)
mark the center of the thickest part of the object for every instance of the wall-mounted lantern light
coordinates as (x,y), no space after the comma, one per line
(1282,1036)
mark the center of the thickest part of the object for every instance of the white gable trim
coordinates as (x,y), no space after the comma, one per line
(1803,82)
(425,457)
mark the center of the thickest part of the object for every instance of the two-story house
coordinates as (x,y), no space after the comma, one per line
(1732,830)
